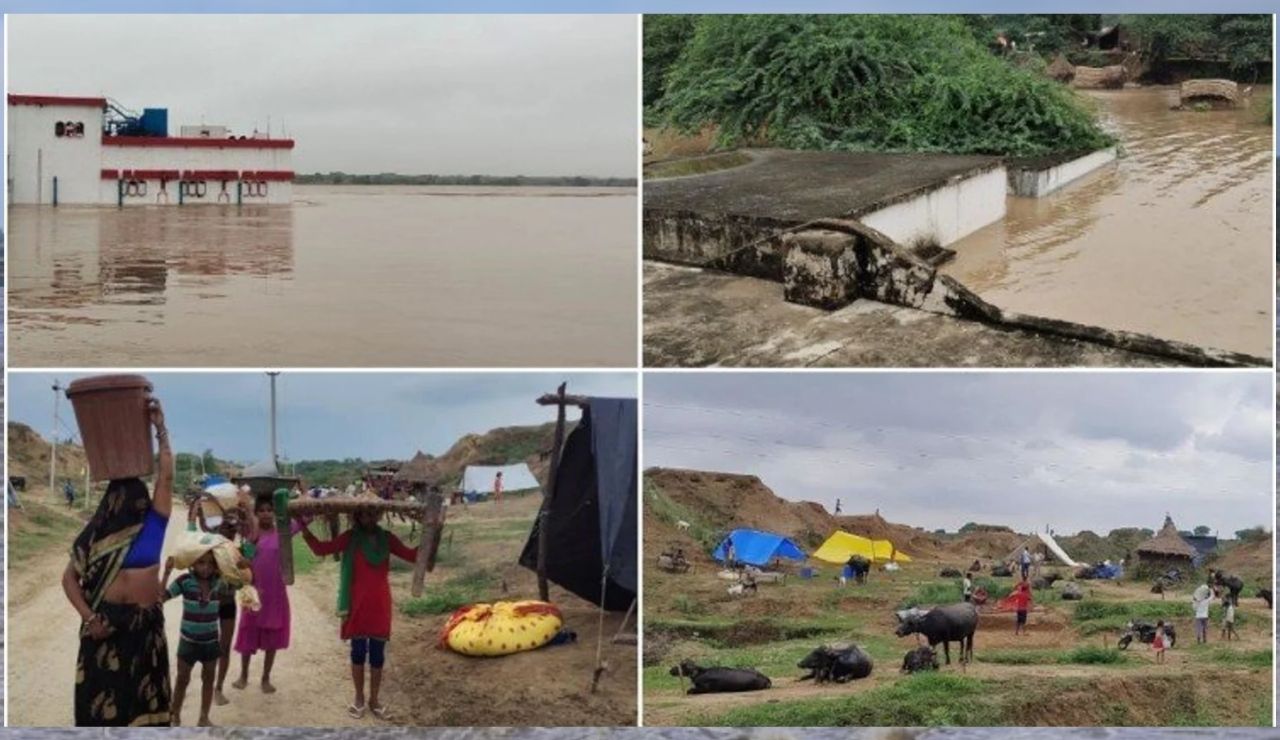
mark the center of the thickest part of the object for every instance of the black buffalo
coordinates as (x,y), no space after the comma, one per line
(921,659)
(839,664)
(1232,584)
(717,680)
(944,624)
(1265,595)
(949,573)
(1001,570)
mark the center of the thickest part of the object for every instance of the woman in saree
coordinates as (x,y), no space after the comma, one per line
(113,582)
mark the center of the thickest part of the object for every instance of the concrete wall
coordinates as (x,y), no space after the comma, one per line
(37,154)
(944,215)
(1032,183)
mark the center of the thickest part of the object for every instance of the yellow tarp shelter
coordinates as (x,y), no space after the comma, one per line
(840,546)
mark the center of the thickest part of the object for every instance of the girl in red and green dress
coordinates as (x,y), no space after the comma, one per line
(364,599)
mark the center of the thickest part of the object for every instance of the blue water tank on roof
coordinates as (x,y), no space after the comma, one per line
(155,121)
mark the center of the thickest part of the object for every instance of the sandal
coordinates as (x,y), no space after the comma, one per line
(355,712)
(381,712)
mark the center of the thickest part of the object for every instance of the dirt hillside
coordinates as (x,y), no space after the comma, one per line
(29,454)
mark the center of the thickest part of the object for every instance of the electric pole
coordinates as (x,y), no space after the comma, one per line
(275,461)
(53,438)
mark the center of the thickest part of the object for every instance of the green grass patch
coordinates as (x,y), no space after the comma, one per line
(941,593)
(455,593)
(662,506)
(44,530)
(1092,617)
(1093,655)
(1243,659)
(920,700)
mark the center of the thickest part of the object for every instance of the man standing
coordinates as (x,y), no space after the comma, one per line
(1200,600)
(69,491)
(1024,560)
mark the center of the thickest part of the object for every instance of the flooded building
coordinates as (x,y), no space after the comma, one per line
(91,151)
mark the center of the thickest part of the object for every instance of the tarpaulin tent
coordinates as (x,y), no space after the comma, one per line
(841,546)
(753,547)
(592,519)
(885,552)
(479,478)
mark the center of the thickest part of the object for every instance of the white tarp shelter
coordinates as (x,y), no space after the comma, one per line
(1057,550)
(478,479)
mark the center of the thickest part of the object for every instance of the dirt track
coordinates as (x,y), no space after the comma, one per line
(312,676)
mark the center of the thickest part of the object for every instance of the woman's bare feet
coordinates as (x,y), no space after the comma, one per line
(204,722)
(175,719)
(240,683)
(220,698)
(267,688)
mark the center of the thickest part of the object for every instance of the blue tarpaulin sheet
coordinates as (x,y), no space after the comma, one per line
(614,425)
(753,547)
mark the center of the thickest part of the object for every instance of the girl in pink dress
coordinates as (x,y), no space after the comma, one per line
(267,629)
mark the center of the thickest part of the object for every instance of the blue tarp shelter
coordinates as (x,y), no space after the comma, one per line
(754,547)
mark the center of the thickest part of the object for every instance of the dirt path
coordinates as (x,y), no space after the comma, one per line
(312,676)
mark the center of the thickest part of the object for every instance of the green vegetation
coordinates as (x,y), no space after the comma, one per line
(1240,40)
(1092,655)
(37,528)
(1084,655)
(1249,659)
(920,700)
(696,165)
(950,592)
(457,592)
(866,82)
(665,508)
(1092,617)
(392,178)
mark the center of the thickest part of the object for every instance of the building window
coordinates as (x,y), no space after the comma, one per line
(69,129)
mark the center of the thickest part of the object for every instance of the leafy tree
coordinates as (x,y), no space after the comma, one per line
(1201,531)
(1252,534)
(665,37)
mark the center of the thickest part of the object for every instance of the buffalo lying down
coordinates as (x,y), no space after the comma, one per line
(944,624)
(836,663)
(718,680)
(921,659)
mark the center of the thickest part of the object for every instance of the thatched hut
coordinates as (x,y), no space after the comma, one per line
(1164,551)
(1060,69)
(1213,93)
(419,474)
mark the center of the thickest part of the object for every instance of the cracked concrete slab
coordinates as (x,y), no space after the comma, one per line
(702,318)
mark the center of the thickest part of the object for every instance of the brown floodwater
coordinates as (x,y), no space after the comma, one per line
(1174,239)
(358,276)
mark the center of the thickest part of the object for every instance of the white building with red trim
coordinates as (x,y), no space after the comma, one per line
(62,151)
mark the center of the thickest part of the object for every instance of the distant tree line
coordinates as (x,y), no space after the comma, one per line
(393,178)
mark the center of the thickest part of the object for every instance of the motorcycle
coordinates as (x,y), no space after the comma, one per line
(1145,632)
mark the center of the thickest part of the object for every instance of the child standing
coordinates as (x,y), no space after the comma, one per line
(268,628)
(1021,601)
(364,599)
(235,521)
(1229,619)
(201,590)
(967,587)
(1159,643)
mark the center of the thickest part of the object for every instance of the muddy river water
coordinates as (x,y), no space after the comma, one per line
(360,276)
(1174,239)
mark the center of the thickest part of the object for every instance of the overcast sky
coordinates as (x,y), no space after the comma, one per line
(331,415)
(496,94)
(1069,450)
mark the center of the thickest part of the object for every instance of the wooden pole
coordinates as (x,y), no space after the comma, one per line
(556,446)
(284,529)
(429,542)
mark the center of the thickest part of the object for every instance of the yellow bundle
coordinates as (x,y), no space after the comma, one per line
(501,628)
(233,569)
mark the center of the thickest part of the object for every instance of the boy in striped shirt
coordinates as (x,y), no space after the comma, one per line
(201,591)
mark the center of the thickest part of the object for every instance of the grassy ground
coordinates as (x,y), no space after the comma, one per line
(1066,671)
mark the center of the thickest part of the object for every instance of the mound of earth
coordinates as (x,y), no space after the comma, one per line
(1249,560)
(28,454)
(726,501)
